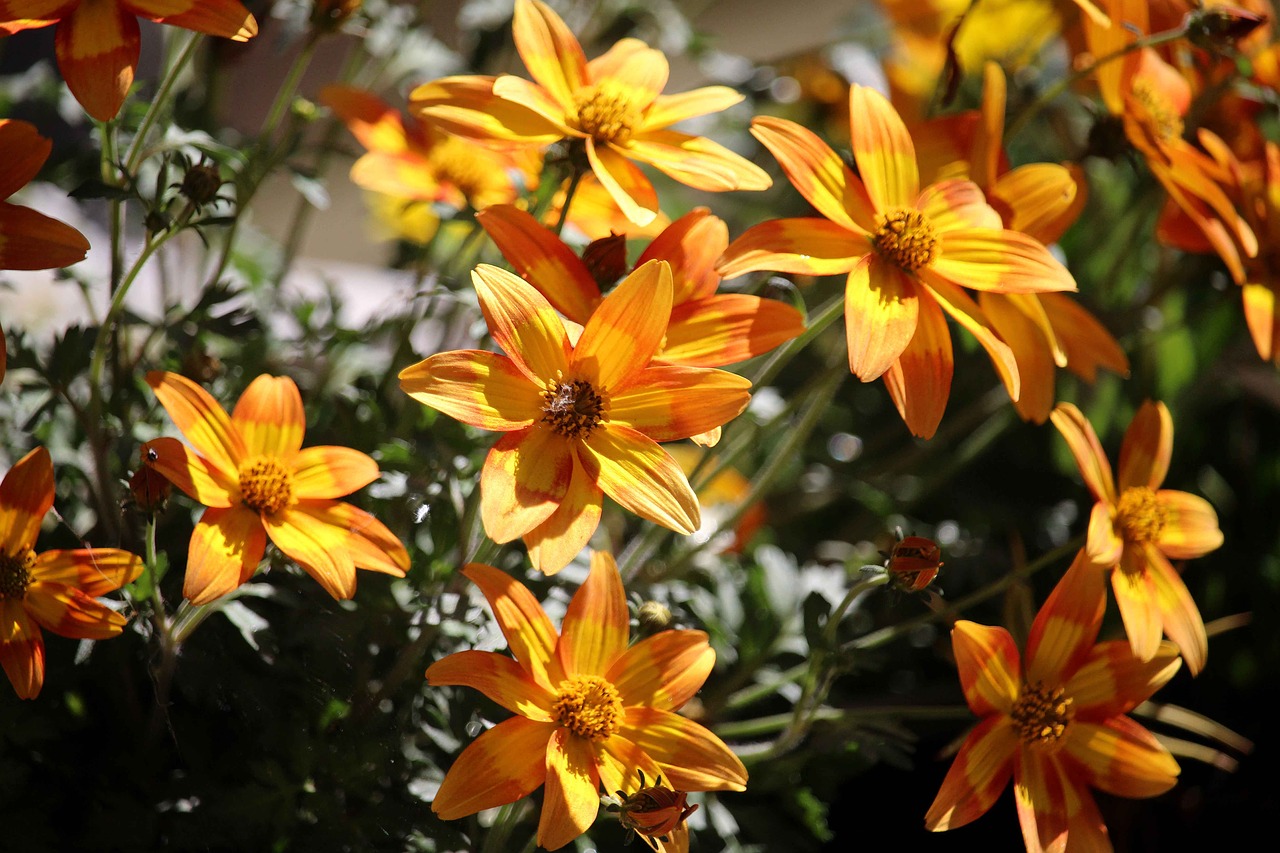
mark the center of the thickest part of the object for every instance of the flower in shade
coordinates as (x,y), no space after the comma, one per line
(908,254)
(1055,721)
(98,41)
(54,590)
(611,107)
(592,710)
(581,421)
(1136,527)
(258,481)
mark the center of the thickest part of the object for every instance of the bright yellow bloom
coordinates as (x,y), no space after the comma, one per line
(611,107)
(1057,726)
(593,710)
(98,41)
(581,421)
(54,590)
(908,254)
(1136,528)
(257,480)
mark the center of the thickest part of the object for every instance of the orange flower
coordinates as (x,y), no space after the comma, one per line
(1058,727)
(706,329)
(908,254)
(257,480)
(1136,528)
(54,590)
(611,107)
(593,711)
(581,421)
(98,41)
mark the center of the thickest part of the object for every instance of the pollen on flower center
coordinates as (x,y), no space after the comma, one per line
(1041,716)
(1140,517)
(906,238)
(266,486)
(15,573)
(1163,120)
(588,706)
(606,113)
(572,409)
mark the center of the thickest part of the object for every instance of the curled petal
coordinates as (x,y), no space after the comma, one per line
(1103,544)
(226,548)
(1044,199)
(504,764)
(499,677)
(636,472)
(1147,447)
(980,772)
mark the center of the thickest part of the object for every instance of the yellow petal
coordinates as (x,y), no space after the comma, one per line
(1121,757)
(573,790)
(663,671)
(94,571)
(625,183)
(919,382)
(1031,350)
(691,757)
(597,625)
(1066,627)
(269,417)
(550,50)
(979,774)
(1178,612)
(667,110)
(500,678)
(480,388)
(368,541)
(317,546)
(817,173)
(191,473)
(1262,317)
(1136,597)
(1147,447)
(883,150)
(804,246)
(1191,526)
(506,763)
(697,161)
(1112,681)
(524,623)
(881,309)
(201,420)
(68,612)
(554,543)
(21,649)
(634,69)
(226,548)
(1002,261)
(523,323)
(467,106)
(625,332)
(961,308)
(637,473)
(331,472)
(1083,443)
(1086,342)
(670,402)
(728,328)
(987,660)
(524,479)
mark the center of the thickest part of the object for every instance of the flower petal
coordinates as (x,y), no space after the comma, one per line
(626,330)
(881,308)
(636,472)
(620,763)
(633,67)
(22,149)
(1121,757)
(226,18)
(523,622)
(691,245)
(1178,612)
(68,612)
(93,571)
(330,471)
(554,543)
(1103,544)
(817,172)
(980,772)
(19,15)
(1136,597)
(374,123)
(525,477)
(1066,627)
(542,259)
(691,757)
(597,625)
(728,328)
(550,50)
(1263,319)
(669,402)
(919,382)
(226,548)
(269,417)
(532,97)
(1086,342)
(1112,681)
(504,764)
(804,246)
(1191,526)
(181,466)
(1000,261)
(961,307)
(883,150)
(1083,443)
(201,421)
(667,110)
(990,672)
(663,671)
(33,241)
(1147,447)
(523,323)
(317,546)
(97,46)
(499,677)
(956,204)
(1044,199)
(21,649)
(483,389)
(369,543)
(467,106)
(1038,791)
(1032,350)
(624,181)
(572,798)
(697,161)
(26,496)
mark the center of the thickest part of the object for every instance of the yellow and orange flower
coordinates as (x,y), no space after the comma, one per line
(908,254)
(612,107)
(98,41)
(1136,528)
(593,710)
(54,590)
(1057,725)
(581,421)
(257,480)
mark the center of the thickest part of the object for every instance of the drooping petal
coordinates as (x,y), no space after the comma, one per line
(1044,199)
(33,241)
(668,402)
(881,309)
(269,417)
(667,110)
(26,496)
(1085,829)
(1121,757)
(961,308)
(1085,341)
(201,420)
(1178,612)
(573,790)
(883,150)
(550,50)
(525,477)
(368,541)
(226,548)
(331,471)
(990,672)
(523,323)
(524,623)
(1147,447)
(817,172)
(542,259)
(68,612)
(697,161)
(624,182)
(497,676)
(1136,596)
(626,330)
(1112,681)
(1066,627)
(1083,443)
(620,763)
(1038,792)
(483,389)
(803,246)
(1191,526)
(1000,261)
(663,671)
(226,18)
(691,757)
(193,474)
(19,15)
(93,571)
(97,46)
(691,245)
(636,472)
(315,545)
(21,649)
(504,764)
(919,382)
(727,328)
(980,772)
(597,625)
(555,542)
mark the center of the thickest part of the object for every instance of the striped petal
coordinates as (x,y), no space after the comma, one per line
(68,612)
(961,308)
(523,323)
(803,246)
(728,328)
(1112,681)
(93,571)
(21,649)
(883,150)
(368,541)
(1178,612)
(625,332)
(317,546)
(632,66)
(597,625)
(572,798)
(201,420)
(525,477)
(667,110)
(1086,342)
(33,241)
(624,182)
(697,162)
(621,762)
(881,311)
(467,106)
(1136,597)
(191,473)
(663,671)
(1262,317)
(542,259)
(226,548)
(523,622)
(1083,443)
(1121,757)
(1064,631)
(1085,828)
(226,18)
(97,47)
(269,417)
(534,98)
(479,388)
(331,472)
(1032,350)
(817,172)
(550,50)
(1191,526)
(554,543)
(956,204)
(691,757)
(1103,544)
(636,472)
(499,677)
(26,496)
(670,402)
(1043,199)
(1000,261)
(919,382)
(982,769)
(504,764)
(691,245)
(987,660)
(1039,793)
(1147,447)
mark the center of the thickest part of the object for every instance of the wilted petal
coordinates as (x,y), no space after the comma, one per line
(978,775)
(504,764)
(691,757)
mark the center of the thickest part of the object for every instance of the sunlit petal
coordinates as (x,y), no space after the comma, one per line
(529,633)
(525,476)
(990,672)
(573,790)
(728,328)
(542,259)
(636,472)
(691,245)
(804,246)
(226,548)
(697,161)
(624,181)
(691,757)
(1083,443)
(1121,757)
(1147,448)
(668,402)
(664,670)
(1191,526)
(316,546)
(597,625)
(881,309)
(549,49)
(269,417)
(522,322)
(1136,596)
(883,150)
(497,676)
(201,420)
(94,571)
(554,543)
(817,173)
(505,763)
(26,496)
(1001,261)
(479,388)
(626,330)
(919,382)
(331,472)
(68,612)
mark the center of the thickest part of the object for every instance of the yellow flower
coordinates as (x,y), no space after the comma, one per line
(257,480)
(592,710)
(55,589)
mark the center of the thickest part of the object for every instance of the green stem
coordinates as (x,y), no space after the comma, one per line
(284,97)
(760,726)
(158,615)
(823,317)
(575,178)
(159,102)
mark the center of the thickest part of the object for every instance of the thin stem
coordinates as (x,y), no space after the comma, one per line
(284,97)
(745,729)
(575,178)
(159,102)
(823,317)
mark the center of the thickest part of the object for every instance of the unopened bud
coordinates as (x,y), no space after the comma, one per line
(201,183)
(914,563)
(654,617)
(654,810)
(1218,28)
(606,259)
(148,486)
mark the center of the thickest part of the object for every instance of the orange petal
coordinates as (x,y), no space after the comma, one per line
(1031,350)
(1136,597)
(669,402)
(1066,627)
(728,328)
(1191,527)
(19,15)
(667,110)
(1085,828)
(523,622)
(1086,342)
(524,479)
(369,543)
(499,677)
(1263,319)
(68,612)
(961,307)
(663,671)
(542,259)
(697,161)
(315,545)
(532,97)
(1043,199)
(467,106)
(97,46)
(408,176)
(1087,450)
(691,245)
(504,764)
(636,472)
(376,124)
(596,626)
(269,417)
(21,649)
(987,660)
(988,138)
(620,763)
(881,309)
(954,204)
(226,548)
(817,172)
(554,543)
(33,241)
(1112,681)
(883,150)
(331,472)
(1002,261)
(979,774)
(1038,792)
(804,246)
(572,798)
(479,388)
(633,67)
(1178,612)
(94,571)
(625,332)
(201,420)
(624,182)
(691,757)
(1147,447)
(1121,757)
(23,150)
(550,50)
(26,496)
(191,473)
(919,382)
(226,18)
(1103,544)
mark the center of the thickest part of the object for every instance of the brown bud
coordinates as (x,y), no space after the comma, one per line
(654,810)
(1218,28)
(201,183)
(148,486)
(914,563)
(606,259)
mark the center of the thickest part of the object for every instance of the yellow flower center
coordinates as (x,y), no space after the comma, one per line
(458,164)
(588,706)
(266,486)
(1140,517)
(572,409)
(15,573)
(1162,119)
(1041,716)
(905,238)
(606,112)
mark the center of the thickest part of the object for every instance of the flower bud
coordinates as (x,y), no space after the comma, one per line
(914,563)
(606,259)
(1218,28)
(654,810)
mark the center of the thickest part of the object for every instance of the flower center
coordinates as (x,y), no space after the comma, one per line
(572,409)
(606,113)
(457,164)
(15,573)
(588,706)
(1162,119)
(1140,517)
(1041,716)
(266,486)
(907,239)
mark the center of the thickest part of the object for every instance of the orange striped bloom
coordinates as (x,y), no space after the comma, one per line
(1057,726)
(908,254)
(1136,528)
(98,41)
(611,107)
(592,710)
(54,590)
(581,421)
(257,480)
